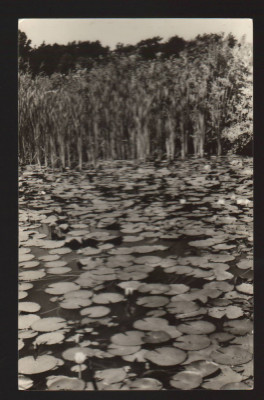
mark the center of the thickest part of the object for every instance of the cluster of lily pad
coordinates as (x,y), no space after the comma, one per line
(136,278)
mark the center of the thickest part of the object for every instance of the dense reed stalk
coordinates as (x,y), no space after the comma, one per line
(133,109)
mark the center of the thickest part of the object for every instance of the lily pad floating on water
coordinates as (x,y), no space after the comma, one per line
(196,327)
(235,386)
(96,311)
(61,287)
(25,286)
(55,264)
(59,270)
(192,342)
(166,356)
(186,380)
(31,275)
(49,338)
(74,303)
(152,301)
(231,312)
(106,298)
(145,384)
(30,365)
(52,244)
(151,324)
(49,324)
(238,326)
(49,257)
(28,306)
(24,383)
(231,355)
(60,251)
(153,288)
(223,286)
(128,338)
(29,264)
(78,294)
(25,257)
(111,375)
(245,264)
(182,307)
(25,321)
(203,367)
(156,337)
(22,294)
(246,288)
(62,382)
(121,350)
(177,288)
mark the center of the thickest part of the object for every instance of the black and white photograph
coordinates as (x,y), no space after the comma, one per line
(135,180)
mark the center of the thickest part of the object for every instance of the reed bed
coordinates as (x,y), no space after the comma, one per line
(127,108)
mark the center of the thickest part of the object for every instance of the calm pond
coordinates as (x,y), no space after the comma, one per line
(137,276)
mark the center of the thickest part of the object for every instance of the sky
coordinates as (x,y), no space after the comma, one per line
(127,30)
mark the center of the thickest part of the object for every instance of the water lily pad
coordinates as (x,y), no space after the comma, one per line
(245,264)
(177,288)
(49,324)
(192,342)
(152,301)
(128,338)
(25,286)
(111,375)
(50,338)
(49,257)
(153,288)
(148,260)
(31,275)
(138,356)
(22,295)
(121,350)
(52,244)
(145,384)
(28,306)
(61,287)
(226,375)
(78,294)
(96,311)
(230,312)
(156,337)
(166,356)
(55,264)
(25,257)
(30,365)
(59,270)
(203,367)
(246,288)
(73,303)
(106,298)
(62,382)
(24,383)
(182,307)
(238,326)
(151,324)
(196,327)
(235,386)
(29,264)
(130,285)
(25,321)
(27,333)
(186,380)
(223,286)
(231,355)
(60,251)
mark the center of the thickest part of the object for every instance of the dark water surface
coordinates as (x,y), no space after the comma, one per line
(184,227)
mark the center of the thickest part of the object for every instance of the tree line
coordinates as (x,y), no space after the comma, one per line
(82,102)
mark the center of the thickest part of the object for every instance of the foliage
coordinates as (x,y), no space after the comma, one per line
(136,102)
